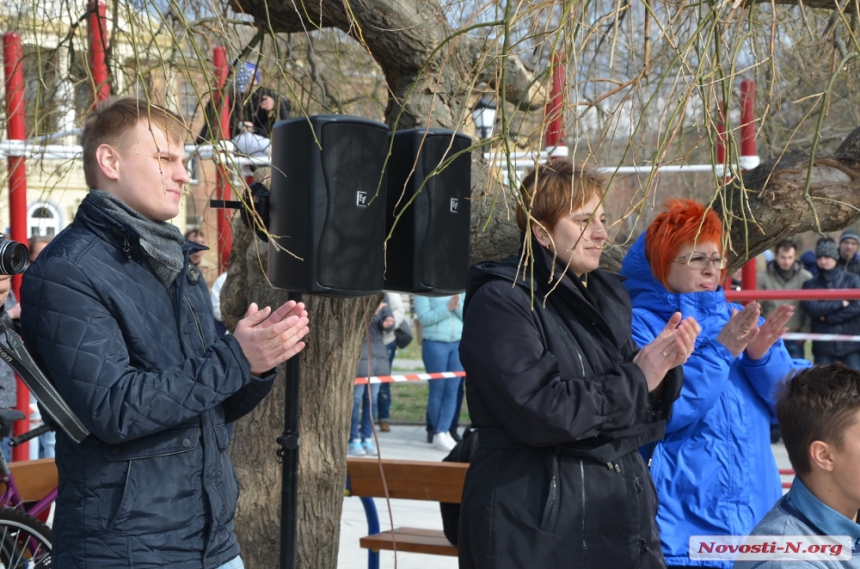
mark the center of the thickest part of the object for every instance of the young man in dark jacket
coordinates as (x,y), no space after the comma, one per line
(123,326)
(833,316)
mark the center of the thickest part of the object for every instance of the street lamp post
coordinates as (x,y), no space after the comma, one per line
(484,115)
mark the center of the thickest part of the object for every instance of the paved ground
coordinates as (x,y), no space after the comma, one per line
(408,443)
(405,443)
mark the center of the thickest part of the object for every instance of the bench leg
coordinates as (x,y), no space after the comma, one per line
(372,529)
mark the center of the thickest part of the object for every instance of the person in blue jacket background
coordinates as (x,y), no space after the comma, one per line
(441,321)
(714,470)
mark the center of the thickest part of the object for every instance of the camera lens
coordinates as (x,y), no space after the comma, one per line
(14,257)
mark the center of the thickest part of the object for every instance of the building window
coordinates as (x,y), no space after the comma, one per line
(43,218)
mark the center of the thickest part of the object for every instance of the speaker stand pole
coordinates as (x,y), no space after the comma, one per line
(289,453)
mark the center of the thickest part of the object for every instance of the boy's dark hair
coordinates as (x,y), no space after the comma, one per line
(113,120)
(785,245)
(817,404)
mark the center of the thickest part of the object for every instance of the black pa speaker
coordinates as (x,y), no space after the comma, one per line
(429,187)
(327,208)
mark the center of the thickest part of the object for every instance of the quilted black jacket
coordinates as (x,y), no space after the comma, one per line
(141,367)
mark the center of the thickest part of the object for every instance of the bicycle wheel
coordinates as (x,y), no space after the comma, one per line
(25,542)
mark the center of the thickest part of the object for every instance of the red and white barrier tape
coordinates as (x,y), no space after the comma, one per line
(408,377)
(821,337)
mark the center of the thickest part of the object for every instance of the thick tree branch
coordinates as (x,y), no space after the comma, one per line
(773,206)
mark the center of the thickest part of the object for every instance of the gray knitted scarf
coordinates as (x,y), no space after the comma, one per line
(161,241)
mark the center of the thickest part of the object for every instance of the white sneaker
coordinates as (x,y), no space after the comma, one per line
(451,440)
(443,442)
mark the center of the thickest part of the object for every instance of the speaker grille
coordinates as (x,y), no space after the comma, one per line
(351,253)
(446,241)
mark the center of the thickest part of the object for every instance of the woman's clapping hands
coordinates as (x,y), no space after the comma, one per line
(741,329)
(769,332)
(669,349)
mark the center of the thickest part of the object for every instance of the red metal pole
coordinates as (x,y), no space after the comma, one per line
(748,149)
(554,113)
(13,58)
(97,35)
(798,294)
(748,146)
(222,106)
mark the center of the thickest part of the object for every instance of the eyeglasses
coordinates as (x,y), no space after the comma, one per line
(701,262)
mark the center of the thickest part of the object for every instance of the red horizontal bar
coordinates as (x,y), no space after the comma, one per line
(811,294)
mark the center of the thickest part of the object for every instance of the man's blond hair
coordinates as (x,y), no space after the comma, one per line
(113,120)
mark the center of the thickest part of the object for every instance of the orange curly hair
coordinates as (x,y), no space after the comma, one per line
(683,222)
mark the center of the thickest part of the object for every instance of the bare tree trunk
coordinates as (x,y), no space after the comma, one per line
(327,375)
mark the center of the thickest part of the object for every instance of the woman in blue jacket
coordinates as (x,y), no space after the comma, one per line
(714,470)
(442,326)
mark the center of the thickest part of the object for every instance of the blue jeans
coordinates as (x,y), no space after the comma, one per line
(383,408)
(235,563)
(442,400)
(851,360)
(360,399)
(47,442)
(461,389)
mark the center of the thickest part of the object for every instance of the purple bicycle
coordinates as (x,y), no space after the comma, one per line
(25,541)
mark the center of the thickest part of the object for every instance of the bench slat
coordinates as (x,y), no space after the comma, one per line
(411,540)
(410,480)
(34,478)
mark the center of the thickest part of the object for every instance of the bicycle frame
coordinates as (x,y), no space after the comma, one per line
(11,497)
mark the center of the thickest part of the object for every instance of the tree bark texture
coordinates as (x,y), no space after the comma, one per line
(327,374)
(774,207)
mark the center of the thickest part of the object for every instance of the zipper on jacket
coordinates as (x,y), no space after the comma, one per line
(196,321)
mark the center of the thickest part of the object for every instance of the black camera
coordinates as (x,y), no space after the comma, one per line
(14,257)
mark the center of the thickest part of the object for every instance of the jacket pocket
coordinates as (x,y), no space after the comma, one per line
(162,489)
(172,441)
(125,499)
(553,492)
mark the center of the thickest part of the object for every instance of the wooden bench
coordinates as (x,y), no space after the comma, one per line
(34,478)
(408,480)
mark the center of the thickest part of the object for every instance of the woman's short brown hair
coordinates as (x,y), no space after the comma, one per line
(112,121)
(554,189)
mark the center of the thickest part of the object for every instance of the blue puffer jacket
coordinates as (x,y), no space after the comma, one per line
(140,366)
(714,470)
(437,322)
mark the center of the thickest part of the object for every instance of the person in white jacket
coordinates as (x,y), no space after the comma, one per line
(215,296)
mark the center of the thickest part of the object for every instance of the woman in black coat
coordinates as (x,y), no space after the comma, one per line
(561,395)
